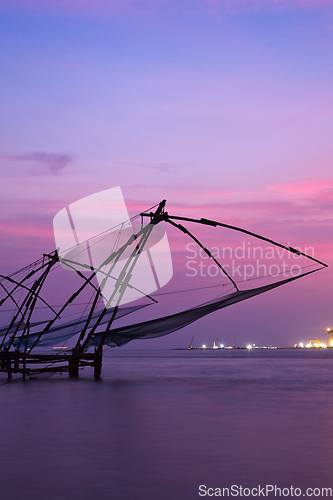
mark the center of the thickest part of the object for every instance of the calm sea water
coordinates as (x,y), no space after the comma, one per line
(161,423)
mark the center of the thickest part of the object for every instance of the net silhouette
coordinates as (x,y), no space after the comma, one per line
(24,333)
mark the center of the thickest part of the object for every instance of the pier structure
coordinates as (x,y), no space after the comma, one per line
(28,365)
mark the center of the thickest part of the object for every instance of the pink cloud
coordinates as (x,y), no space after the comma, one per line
(299,212)
(288,196)
(304,188)
(26,230)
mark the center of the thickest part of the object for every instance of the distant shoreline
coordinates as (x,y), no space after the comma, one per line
(247,349)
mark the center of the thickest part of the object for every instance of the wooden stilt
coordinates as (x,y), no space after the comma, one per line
(9,368)
(73,365)
(98,363)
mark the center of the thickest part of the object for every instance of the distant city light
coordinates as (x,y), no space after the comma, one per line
(301,344)
(204,346)
(249,346)
(315,344)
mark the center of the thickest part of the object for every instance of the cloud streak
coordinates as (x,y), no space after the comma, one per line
(55,163)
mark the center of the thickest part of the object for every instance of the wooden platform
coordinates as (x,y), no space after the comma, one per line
(30,364)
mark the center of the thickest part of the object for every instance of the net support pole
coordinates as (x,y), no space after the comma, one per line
(98,363)
(73,365)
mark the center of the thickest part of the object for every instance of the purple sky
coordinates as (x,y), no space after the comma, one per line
(224,108)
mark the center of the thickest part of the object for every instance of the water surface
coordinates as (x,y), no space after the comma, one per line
(161,423)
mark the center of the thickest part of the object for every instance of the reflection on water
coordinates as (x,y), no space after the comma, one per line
(160,423)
